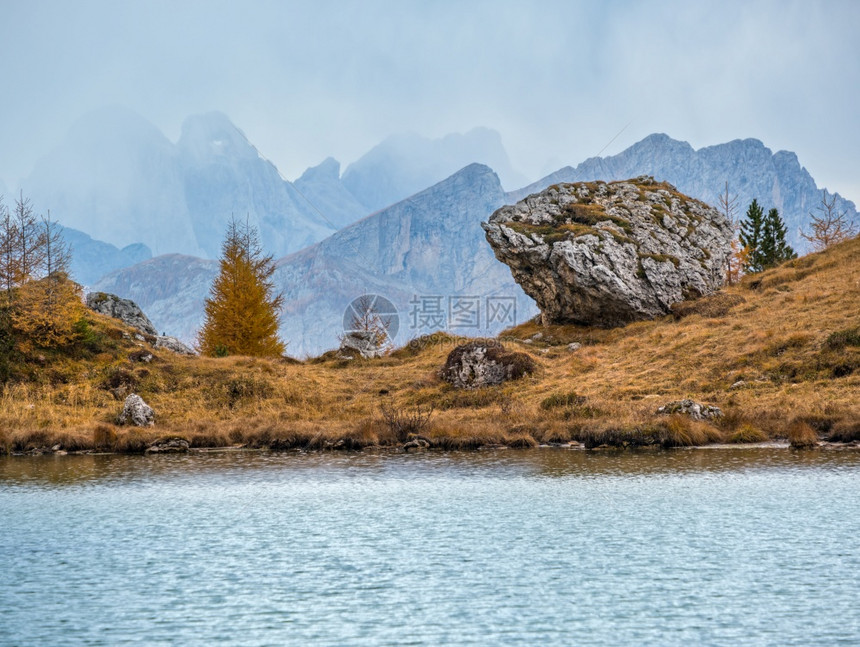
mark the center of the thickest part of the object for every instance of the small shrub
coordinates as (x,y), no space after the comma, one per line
(558,400)
(845,431)
(119,381)
(840,339)
(748,433)
(239,389)
(801,435)
(713,307)
(104,436)
(402,422)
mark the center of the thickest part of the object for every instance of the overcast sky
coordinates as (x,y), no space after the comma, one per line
(558,80)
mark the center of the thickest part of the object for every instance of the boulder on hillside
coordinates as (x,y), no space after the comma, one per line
(137,412)
(695,410)
(484,363)
(174,345)
(606,254)
(361,343)
(125,310)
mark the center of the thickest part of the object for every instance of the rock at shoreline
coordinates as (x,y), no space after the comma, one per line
(695,410)
(168,446)
(174,345)
(136,412)
(606,254)
(479,363)
(125,310)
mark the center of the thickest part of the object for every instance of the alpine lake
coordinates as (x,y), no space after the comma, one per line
(543,547)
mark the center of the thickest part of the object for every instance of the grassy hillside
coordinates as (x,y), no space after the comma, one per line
(778,353)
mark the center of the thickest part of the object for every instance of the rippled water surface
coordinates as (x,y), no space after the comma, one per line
(724,547)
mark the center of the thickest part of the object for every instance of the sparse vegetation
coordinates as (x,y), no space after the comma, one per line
(764,372)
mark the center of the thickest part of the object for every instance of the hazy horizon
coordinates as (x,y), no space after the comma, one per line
(560,82)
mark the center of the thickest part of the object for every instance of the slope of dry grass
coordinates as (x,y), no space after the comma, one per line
(780,349)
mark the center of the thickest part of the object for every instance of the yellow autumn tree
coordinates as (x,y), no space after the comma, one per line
(243,309)
(46,312)
(39,304)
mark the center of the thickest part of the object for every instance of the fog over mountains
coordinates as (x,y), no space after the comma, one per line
(119,179)
(126,192)
(426,254)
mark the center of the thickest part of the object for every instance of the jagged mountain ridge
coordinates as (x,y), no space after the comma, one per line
(402,251)
(117,178)
(430,245)
(751,169)
(92,259)
(401,165)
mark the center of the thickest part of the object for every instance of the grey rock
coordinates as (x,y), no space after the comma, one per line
(416,444)
(608,254)
(136,412)
(168,446)
(363,343)
(174,345)
(125,310)
(738,385)
(574,346)
(695,410)
(479,364)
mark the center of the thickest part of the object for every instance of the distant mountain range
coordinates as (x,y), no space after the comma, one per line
(119,180)
(403,165)
(751,169)
(426,254)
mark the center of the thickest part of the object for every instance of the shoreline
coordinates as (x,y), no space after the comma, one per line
(400,449)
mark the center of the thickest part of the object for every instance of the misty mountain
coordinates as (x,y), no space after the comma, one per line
(224,176)
(116,177)
(92,259)
(119,179)
(426,254)
(321,186)
(404,164)
(751,169)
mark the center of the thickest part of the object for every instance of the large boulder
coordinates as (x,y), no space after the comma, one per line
(606,254)
(125,310)
(484,363)
(136,412)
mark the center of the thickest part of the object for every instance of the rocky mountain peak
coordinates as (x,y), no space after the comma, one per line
(213,135)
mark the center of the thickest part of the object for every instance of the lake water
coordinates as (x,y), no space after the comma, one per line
(540,547)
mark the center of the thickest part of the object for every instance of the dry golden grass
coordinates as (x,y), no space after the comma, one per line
(779,347)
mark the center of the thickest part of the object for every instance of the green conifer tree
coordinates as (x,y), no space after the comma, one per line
(750,237)
(774,250)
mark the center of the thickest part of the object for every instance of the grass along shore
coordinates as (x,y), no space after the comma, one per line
(778,353)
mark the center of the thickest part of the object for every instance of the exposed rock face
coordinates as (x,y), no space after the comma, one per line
(693,409)
(603,254)
(173,344)
(479,363)
(136,412)
(123,309)
(363,343)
